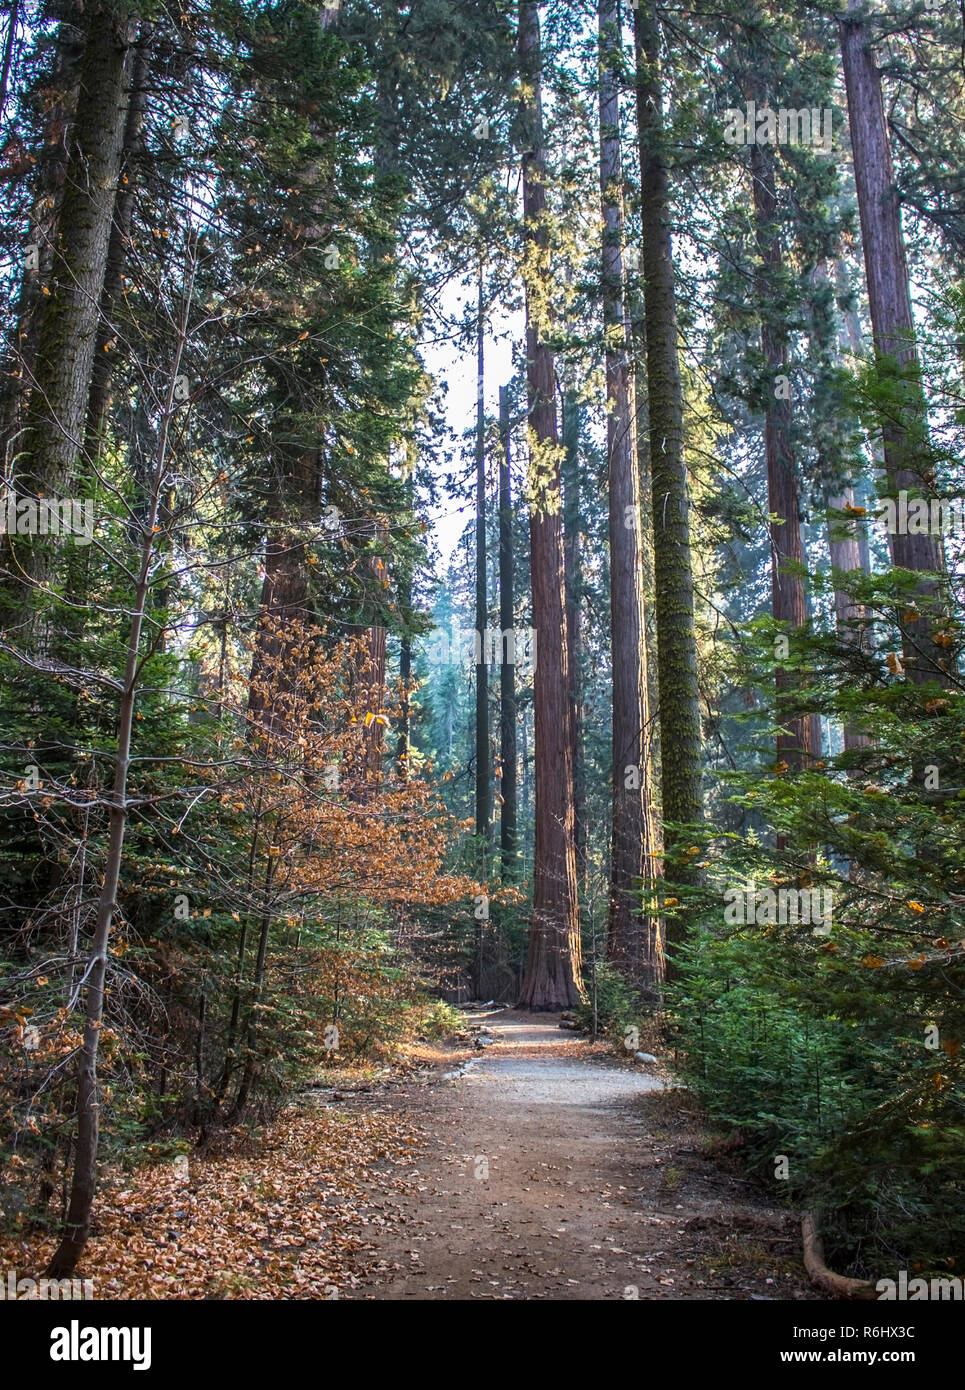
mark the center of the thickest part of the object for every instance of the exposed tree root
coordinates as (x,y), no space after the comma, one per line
(838,1285)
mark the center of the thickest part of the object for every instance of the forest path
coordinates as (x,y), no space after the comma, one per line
(550,1174)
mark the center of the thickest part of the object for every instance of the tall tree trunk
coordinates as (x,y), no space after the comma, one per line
(507,670)
(48,191)
(573,587)
(525,758)
(679,709)
(482,759)
(846,535)
(369,682)
(405,713)
(844,548)
(638,343)
(633,939)
(405,645)
(483,784)
(68,318)
(9,42)
(376,640)
(249,1069)
(904,422)
(551,979)
(789,604)
(99,395)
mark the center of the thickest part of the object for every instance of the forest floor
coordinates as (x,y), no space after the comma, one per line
(556,1171)
(539,1167)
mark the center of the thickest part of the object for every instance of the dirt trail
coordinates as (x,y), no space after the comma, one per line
(550,1174)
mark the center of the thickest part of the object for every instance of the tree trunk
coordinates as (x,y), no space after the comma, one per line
(483,786)
(8,62)
(405,654)
(908,463)
(507,670)
(249,1069)
(679,709)
(551,979)
(634,939)
(573,586)
(638,343)
(372,674)
(50,172)
(847,539)
(99,395)
(789,604)
(68,318)
(844,547)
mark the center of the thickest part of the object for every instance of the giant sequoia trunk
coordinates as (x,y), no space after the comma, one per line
(633,939)
(405,642)
(572,579)
(551,978)
(507,670)
(482,759)
(904,421)
(638,345)
(679,710)
(789,604)
(483,780)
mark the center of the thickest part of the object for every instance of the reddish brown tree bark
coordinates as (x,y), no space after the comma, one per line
(483,773)
(508,757)
(573,585)
(904,422)
(633,939)
(783,495)
(551,978)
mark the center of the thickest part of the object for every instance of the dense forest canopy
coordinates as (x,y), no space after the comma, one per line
(342,674)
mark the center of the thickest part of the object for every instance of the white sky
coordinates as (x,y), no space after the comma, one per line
(457,370)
